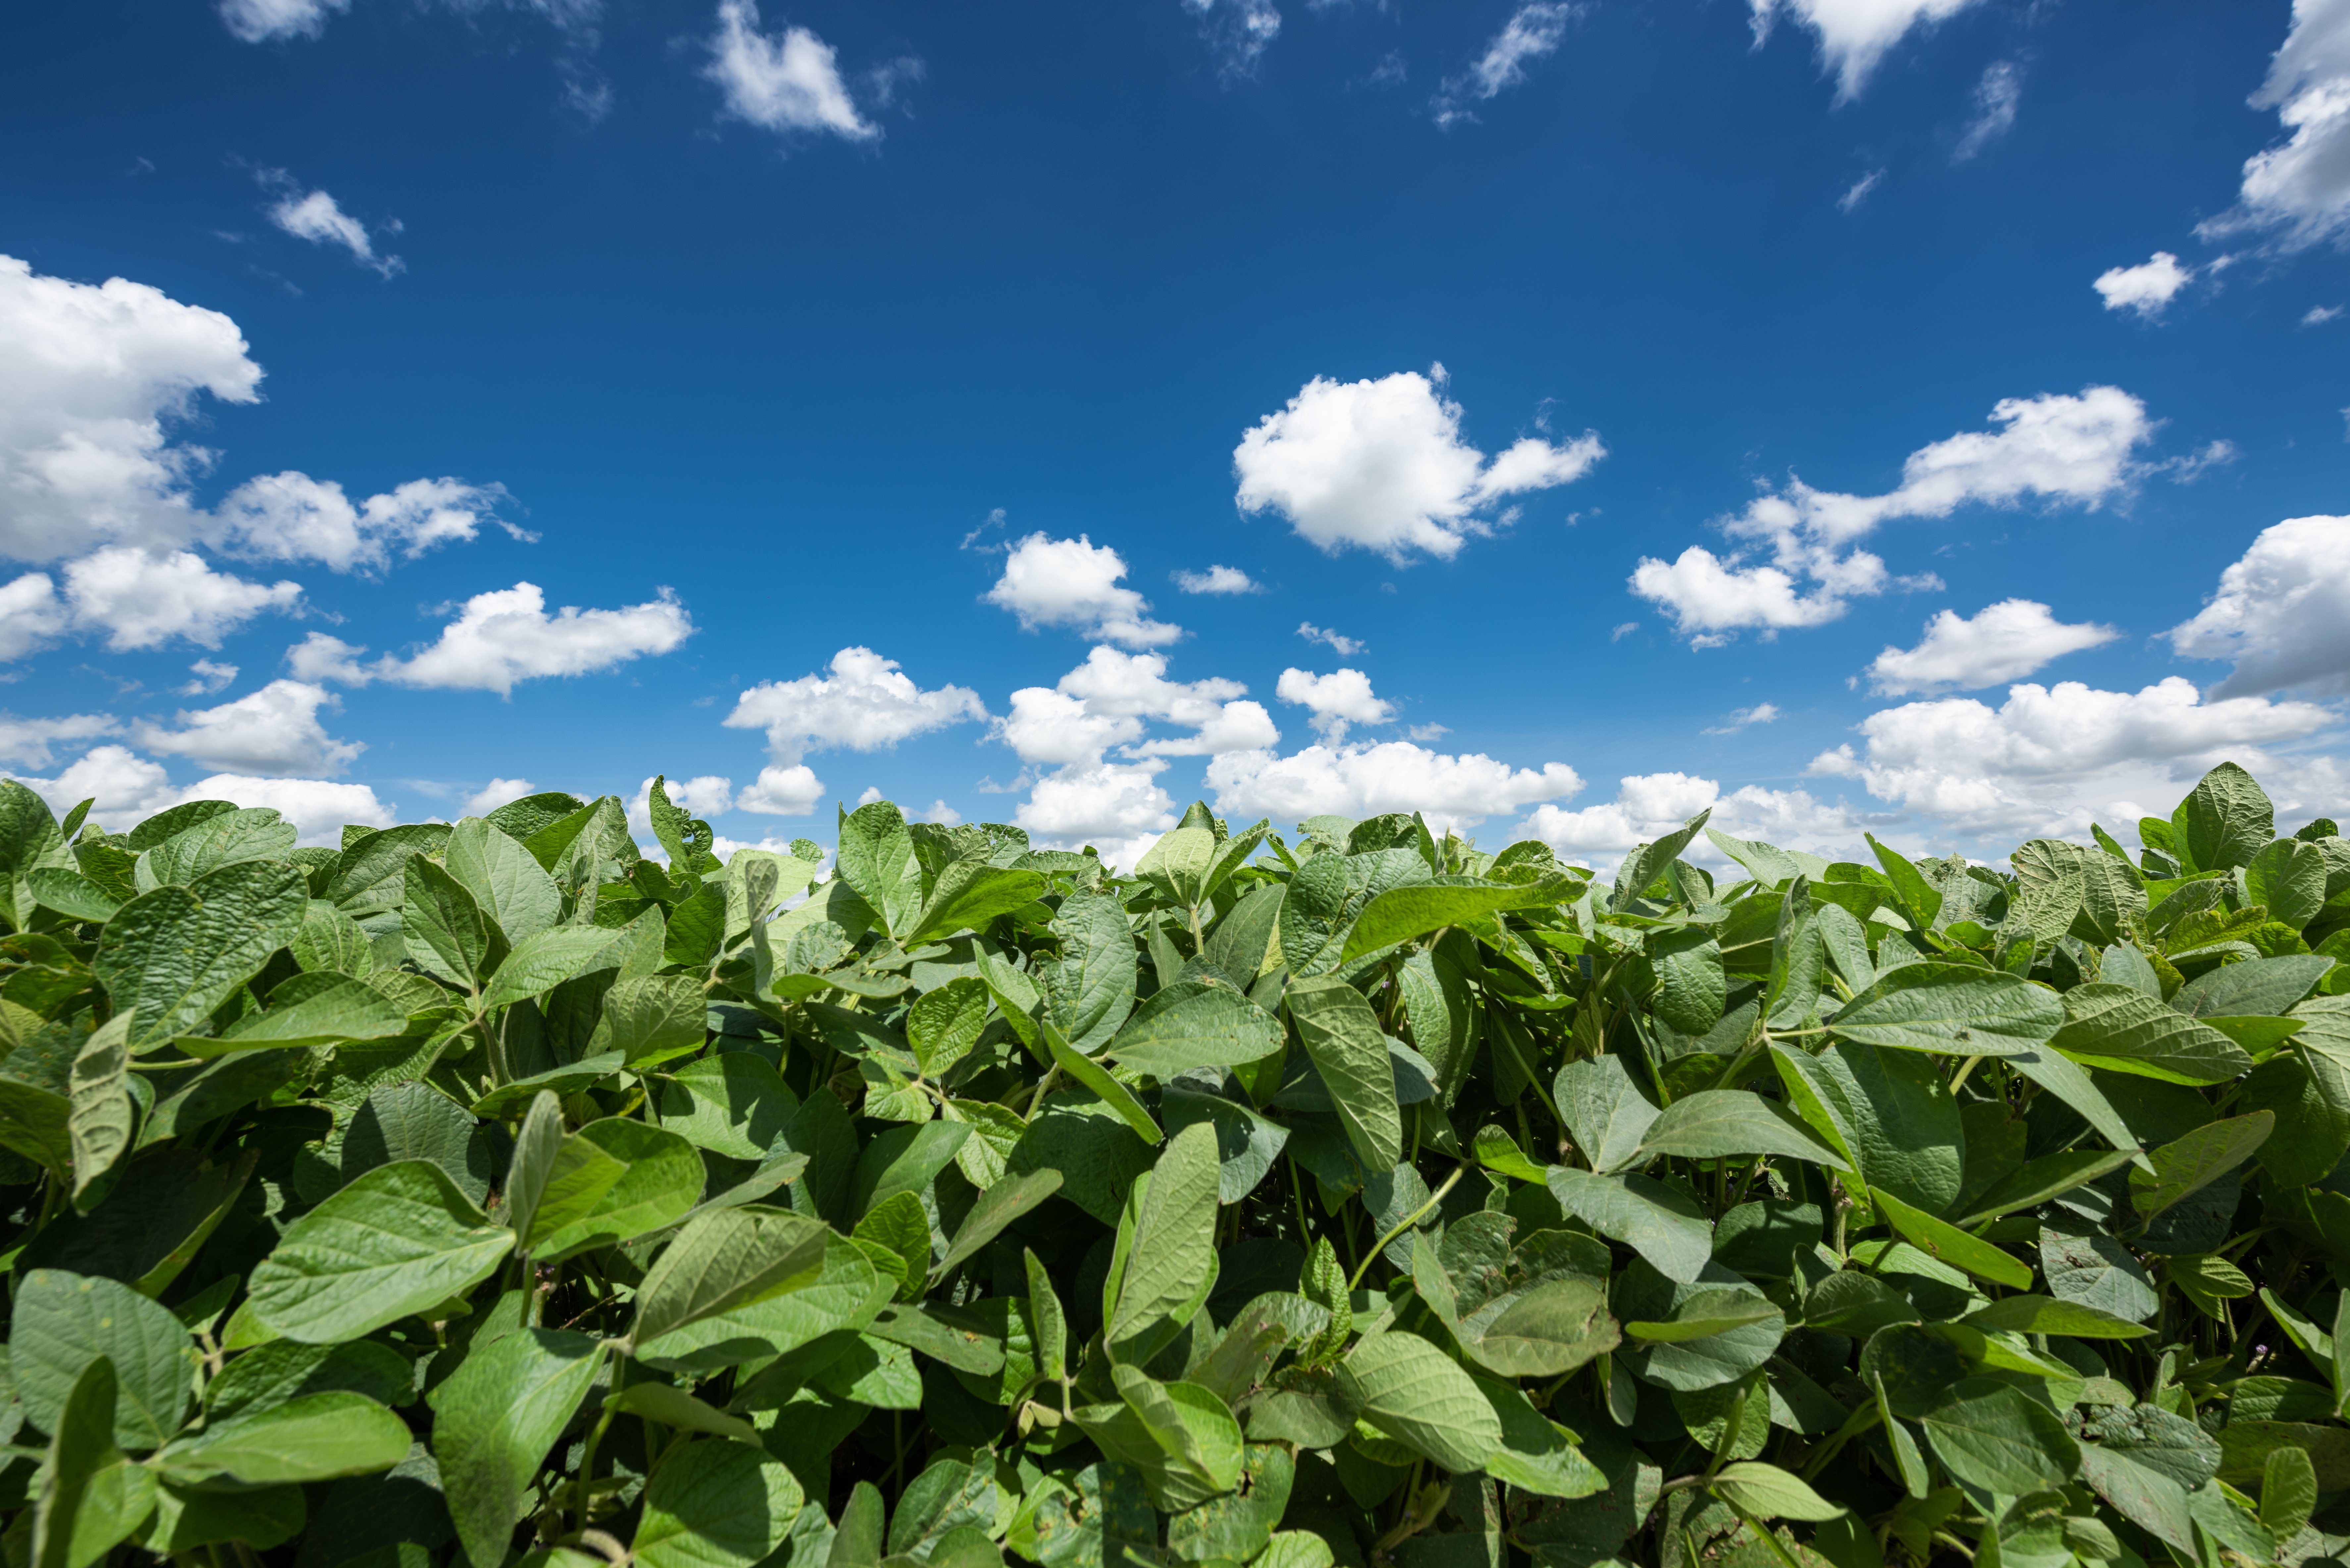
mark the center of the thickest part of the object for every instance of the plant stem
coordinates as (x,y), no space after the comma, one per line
(587,1462)
(1417,1214)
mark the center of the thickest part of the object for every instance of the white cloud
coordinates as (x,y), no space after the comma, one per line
(1761,713)
(1382,464)
(2147,288)
(1106,700)
(2058,448)
(212,678)
(143,599)
(1532,31)
(90,376)
(2319,315)
(1239,30)
(2300,190)
(274,732)
(128,788)
(506,635)
(2281,614)
(2000,643)
(2045,758)
(790,83)
(1648,806)
(870,794)
(318,657)
(1217,580)
(316,217)
(1337,700)
(866,703)
(262,21)
(26,742)
(791,791)
(291,516)
(1363,780)
(1343,646)
(1235,727)
(31,614)
(1117,807)
(495,793)
(1855,35)
(705,796)
(1857,191)
(1997,98)
(1074,583)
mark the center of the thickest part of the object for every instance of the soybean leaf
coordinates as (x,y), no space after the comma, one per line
(1347,1047)
(2121,1028)
(1951,1007)
(2189,1164)
(1714,1123)
(494,1421)
(399,1239)
(1197,1022)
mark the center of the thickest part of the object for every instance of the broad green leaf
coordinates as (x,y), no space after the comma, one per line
(1094,1077)
(669,1406)
(541,963)
(2224,821)
(733,1103)
(1703,1316)
(372,874)
(655,1018)
(71,894)
(1920,899)
(2121,1028)
(1406,914)
(612,1181)
(2046,1315)
(2063,1077)
(1172,1266)
(64,1322)
(1199,1023)
(1247,1143)
(323,1007)
(1766,1491)
(1536,1454)
(2051,1176)
(1952,1245)
(715,1504)
(876,859)
(896,1234)
(1692,987)
(1647,863)
(1791,996)
(1950,1007)
(725,1260)
(399,1239)
(538,1142)
(314,1437)
(2287,877)
(1716,1124)
(174,954)
(1605,1113)
(446,933)
(507,884)
(2188,1164)
(2288,1491)
(943,1024)
(2095,1271)
(968,894)
(494,1422)
(81,1450)
(1889,1113)
(1343,1040)
(2261,985)
(417,1121)
(998,1205)
(1990,1435)
(1653,1219)
(1412,1392)
(1089,991)
(500,1102)
(99,1124)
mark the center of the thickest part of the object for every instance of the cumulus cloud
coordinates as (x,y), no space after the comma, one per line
(2299,190)
(505,635)
(1997,98)
(791,791)
(212,678)
(27,743)
(293,517)
(1361,780)
(1381,465)
(262,21)
(1648,806)
(273,733)
(498,792)
(1336,701)
(2281,614)
(320,657)
(317,217)
(786,82)
(128,788)
(2070,450)
(1217,580)
(31,614)
(1108,702)
(2000,643)
(2045,759)
(1074,583)
(1343,646)
(1240,31)
(867,703)
(1854,35)
(1532,31)
(2147,288)
(140,599)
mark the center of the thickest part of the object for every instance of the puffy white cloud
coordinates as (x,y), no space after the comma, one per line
(506,635)
(142,599)
(2147,288)
(1997,98)
(89,375)
(495,793)
(1382,464)
(778,791)
(1648,806)
(293,517)
(31,614)
(318,657)
(1117,807)
(1217,580)
(1075,583)
(786,83)
(1105,701)
(261,21)
(1239,30)
(319,218)
(1054,728)
(2300,190)
(1343,646)
(1855,35)
(1361,780)
(2045,758)
(2281,614)
(866,703)
(2000,643)
(1337,700)
(127,789)
(26,742)
(212,678)
(2063,449)
(1532,31)
(274,732)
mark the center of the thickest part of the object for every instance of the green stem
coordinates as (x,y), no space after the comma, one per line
(588,1461)
(1417,1215)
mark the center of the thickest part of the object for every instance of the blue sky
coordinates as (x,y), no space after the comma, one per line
(1630,388)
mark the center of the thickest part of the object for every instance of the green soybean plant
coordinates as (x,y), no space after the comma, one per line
(495,1193)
